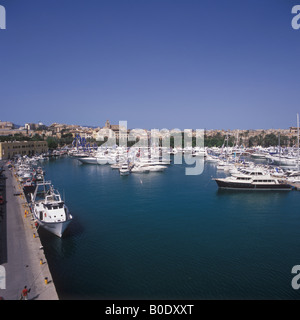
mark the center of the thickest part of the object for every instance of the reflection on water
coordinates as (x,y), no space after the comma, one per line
(259,199)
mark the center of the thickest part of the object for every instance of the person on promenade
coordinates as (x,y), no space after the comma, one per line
(24,293)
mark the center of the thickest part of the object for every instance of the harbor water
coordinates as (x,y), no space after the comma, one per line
(167,235)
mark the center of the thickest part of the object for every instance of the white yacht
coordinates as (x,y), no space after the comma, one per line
(257,178)
(88,160)
(244,182)
(152,164)
(155,168)
(49,210)
(211,158)
(99,158)
(105,159)
(259,155)
(251,171)
(140,169)
(124,170)
(199,152)
(116,166)
(283,160)
(221,164)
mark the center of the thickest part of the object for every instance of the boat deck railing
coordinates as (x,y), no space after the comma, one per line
(44,183)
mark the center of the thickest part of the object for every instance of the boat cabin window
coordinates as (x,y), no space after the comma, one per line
(49,198)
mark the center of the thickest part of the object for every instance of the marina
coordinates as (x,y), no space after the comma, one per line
(156,235)
(149,151)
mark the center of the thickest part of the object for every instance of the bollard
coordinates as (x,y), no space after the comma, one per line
(41,261)
(46,280)
(34,235)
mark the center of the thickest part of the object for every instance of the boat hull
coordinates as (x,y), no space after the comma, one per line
(56,228)
(251,186)
(156,168)
(28,189)
(124,173)
(140,171)
(88,160)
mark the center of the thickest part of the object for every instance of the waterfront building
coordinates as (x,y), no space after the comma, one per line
(12,148)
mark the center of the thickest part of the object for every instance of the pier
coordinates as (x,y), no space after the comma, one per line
(21,251)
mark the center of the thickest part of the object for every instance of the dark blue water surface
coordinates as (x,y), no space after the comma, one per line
(170,236)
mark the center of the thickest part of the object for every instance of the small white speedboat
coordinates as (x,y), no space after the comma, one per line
(124,170)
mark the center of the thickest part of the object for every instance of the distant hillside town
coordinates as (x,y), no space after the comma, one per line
(58,134)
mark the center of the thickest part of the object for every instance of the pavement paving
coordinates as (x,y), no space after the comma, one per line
(21,253)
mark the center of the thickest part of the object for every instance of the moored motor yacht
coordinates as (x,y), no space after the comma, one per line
(124,170)
(49,209)
(88,160)
(247,182)
(140,169)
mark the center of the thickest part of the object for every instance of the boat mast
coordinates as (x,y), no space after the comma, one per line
(298,141)
(279,148)
(227,148)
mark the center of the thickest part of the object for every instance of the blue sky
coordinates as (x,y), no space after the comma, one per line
(223,64)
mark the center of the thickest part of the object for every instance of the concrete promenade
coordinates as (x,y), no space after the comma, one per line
(21,253)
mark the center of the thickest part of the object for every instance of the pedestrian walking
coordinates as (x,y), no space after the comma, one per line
(24,293)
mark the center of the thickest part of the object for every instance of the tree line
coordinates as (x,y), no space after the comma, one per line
(216,140)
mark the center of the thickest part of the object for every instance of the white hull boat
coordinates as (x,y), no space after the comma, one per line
(155,168)
(88,160)
(54,227)
(140,169)
(49,210)
(124,170)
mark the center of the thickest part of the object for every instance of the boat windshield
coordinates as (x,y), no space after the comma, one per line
(54,206)
(53,198)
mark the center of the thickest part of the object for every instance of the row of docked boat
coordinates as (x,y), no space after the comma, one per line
(145,160)
(128,161)
(28,174)
(141,167)
(47,206)
(277,155)
(110,155)
(251,176)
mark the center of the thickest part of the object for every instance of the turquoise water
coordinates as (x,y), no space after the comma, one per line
(170,236)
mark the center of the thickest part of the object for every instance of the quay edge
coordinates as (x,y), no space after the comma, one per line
(23,259)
